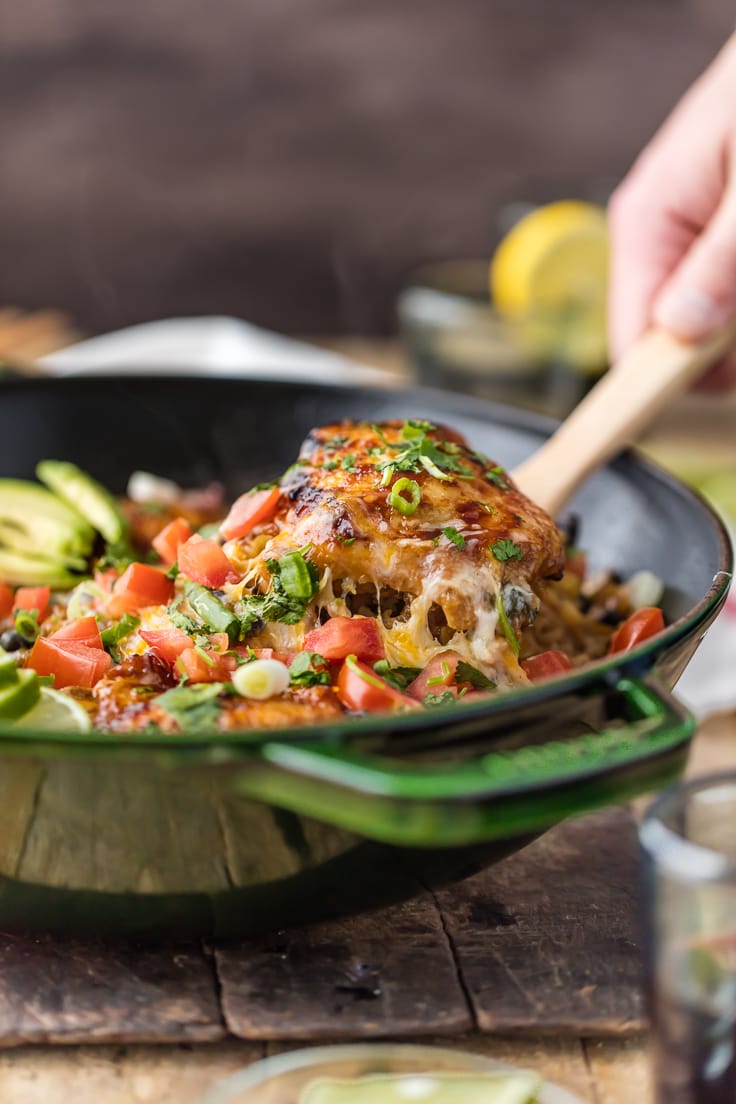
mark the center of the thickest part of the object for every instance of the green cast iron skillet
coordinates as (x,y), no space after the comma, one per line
(253,831)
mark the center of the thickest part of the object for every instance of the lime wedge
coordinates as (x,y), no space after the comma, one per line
(19,695)
(429,1088)
(54,712)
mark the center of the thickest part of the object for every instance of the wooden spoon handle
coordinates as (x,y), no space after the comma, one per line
(653,372)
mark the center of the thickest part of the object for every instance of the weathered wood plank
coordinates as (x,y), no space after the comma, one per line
(548,939)
(65,991)
(119,1074)
(620,1070)
(383,973)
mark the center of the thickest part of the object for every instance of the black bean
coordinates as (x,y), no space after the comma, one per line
(12,641)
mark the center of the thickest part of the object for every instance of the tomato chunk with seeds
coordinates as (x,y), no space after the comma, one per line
(437,676)
(343,636)
(139,586)
(646,622)
(83,631)
(202,665)
(168,644)
(71,663)
(360,689)
(545,665)
(30,598)
(167,542)
(248,511)
(203,561)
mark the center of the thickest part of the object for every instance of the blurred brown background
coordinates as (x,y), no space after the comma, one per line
(289,160)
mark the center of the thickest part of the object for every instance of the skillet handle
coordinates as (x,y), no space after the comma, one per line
(497,795)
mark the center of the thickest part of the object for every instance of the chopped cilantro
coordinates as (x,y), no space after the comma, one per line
(347,541)
(118,554)
(397,677)
(465,672)
(195,707)
(309,669)
(335,442)
(452,535)
(497,476)
(330,465)
(263,486)
(112,636)
(422,452)
(173,571)
(181,620)
(506,550)
(348,462)
(431,701)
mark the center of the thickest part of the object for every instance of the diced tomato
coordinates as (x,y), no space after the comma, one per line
(248,511)
(30,598)
(219,641)
(6,600)
(168,644)
(206,666)
(71,663)
(359,688)
(106,579)
(287,658)
(437,676)
(167,542)
(646,622)
(84,631)
(545,665)
(139,586)
(203,561)
(343,636)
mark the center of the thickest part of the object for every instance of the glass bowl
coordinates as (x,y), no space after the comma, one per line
(457,341)
(282,1079)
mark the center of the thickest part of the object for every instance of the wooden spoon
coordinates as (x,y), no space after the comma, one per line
(655,371)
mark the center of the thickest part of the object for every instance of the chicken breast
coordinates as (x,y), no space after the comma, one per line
(406,522)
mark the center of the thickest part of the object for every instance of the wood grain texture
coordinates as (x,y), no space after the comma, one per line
(119,1074)
(382,973)
(548,940)
(54,990)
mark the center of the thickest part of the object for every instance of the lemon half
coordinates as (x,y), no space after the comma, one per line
(549,276)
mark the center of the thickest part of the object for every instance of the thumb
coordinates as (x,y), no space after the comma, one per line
(700,296)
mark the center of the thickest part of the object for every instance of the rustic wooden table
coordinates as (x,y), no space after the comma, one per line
(604,1071)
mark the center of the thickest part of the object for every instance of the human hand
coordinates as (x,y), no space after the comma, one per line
(673,222)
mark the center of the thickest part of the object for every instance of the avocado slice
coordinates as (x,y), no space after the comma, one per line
(20,569)
(37,528)
(86,495)
(20,695)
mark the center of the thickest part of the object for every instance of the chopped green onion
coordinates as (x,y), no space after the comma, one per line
(511,637)
(261,679)
(405,496)
(429,465)
(203,655)
(299,578)
(215,616)
(26,624)
(352,665)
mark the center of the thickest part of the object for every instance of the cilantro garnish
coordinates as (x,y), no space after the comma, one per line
(431,701)
(195,707)
(348,462)
(112,636)
(294,582)
(506,550)
(497,476)
(465,672)
(330,465)
(452,535)
(335,442)
(309,669)
(422,453)
(397,677)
